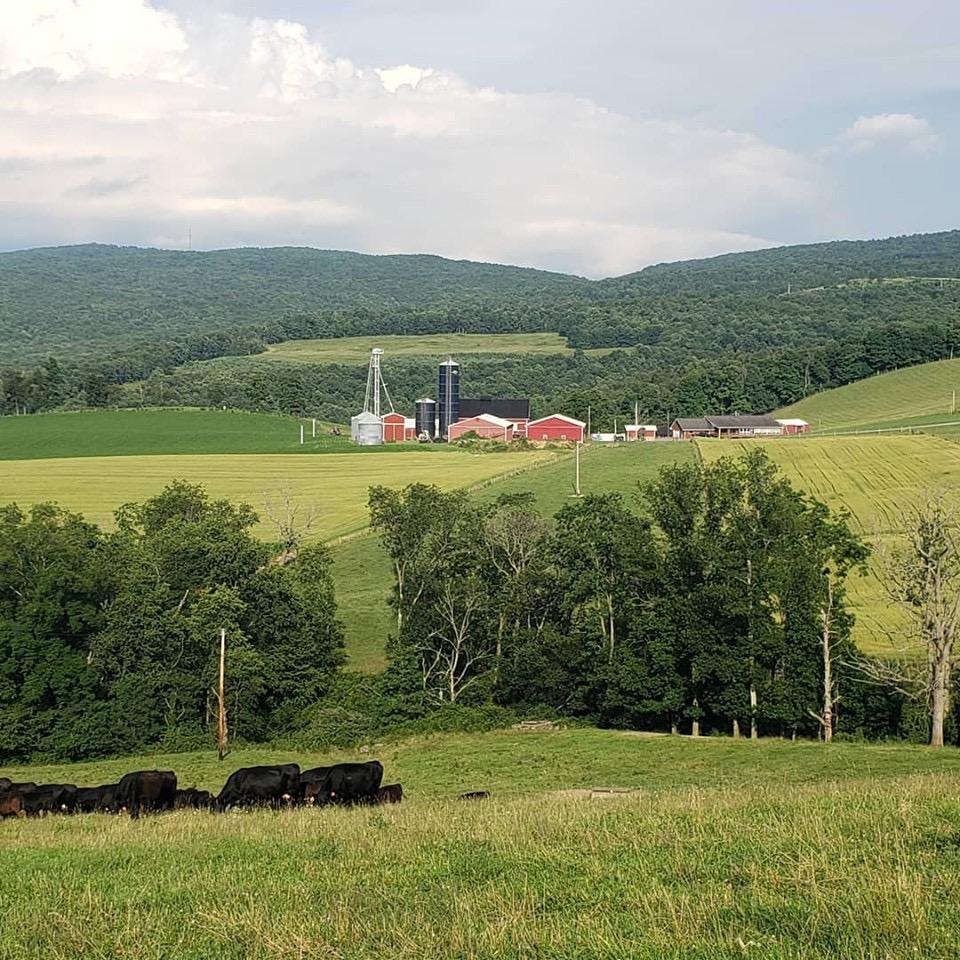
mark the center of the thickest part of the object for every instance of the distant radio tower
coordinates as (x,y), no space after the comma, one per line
(375,384)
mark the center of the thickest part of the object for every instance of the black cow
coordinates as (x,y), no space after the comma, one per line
(193,799)
(49,798)
(261,786)
(4,783)
(145,791)
(311,780)
(102,799)
(12,787)
(349,783)
(475,795)
(390,793)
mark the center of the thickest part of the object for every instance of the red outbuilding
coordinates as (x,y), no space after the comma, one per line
(485,425)
(555,427)
(394,428)
(793,425)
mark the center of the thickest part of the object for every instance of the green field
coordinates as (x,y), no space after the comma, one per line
(875,478)
(727,849)
(363,574)
(357,349)
(335,484)
(128,433)
(913,396)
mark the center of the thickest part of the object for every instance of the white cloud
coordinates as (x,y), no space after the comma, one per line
(251,131)
(898,129)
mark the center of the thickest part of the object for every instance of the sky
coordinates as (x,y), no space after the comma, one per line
(589,137)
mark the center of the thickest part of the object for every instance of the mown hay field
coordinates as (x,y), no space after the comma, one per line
(876,479)
(724,849)
(912,396)
(336,484)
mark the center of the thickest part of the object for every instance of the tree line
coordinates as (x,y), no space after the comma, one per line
(713,601)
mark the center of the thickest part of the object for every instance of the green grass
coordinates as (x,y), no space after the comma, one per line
(876,478)
(357,349)
(362,572)
(914,395)
(119,433)
(728,849)
(335,484)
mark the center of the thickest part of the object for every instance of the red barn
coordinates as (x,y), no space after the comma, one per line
(640,431)
(394,425)
(485,425)
(556,427)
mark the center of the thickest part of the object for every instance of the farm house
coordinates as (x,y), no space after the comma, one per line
(556,427)
(485,425)
(738,427)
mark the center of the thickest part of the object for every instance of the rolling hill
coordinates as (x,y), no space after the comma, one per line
(876,479)
(913,396)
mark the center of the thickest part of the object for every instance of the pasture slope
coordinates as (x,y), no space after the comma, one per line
(775,850)
(875,478)
(914,396)
(161,430)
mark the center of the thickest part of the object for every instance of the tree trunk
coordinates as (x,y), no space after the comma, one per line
(938,702)
(736,729)
(826,716)
(673,728)
(753,711)
(695,726)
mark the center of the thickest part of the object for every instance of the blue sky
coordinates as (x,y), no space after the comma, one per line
(593,138)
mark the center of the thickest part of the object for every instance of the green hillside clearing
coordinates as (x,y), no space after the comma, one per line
(909,397)
(335,484)
(799,849)
(357,349)
(876,478)
(124,433)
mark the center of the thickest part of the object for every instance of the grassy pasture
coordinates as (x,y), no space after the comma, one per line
(128,433)
(357,349)
(363,574)
(728,849)
(912,396)
(336,483)
(875,478)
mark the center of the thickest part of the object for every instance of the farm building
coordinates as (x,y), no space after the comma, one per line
(640,431)
(686,428)
(556,427)
(793,425)
(484,425)
(397,428)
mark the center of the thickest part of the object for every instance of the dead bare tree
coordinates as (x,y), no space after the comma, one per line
(293,522)
(923,579)
(452,651)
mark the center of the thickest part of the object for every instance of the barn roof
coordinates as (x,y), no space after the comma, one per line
(793,422)
(556,416)
(485,418)
(691,423)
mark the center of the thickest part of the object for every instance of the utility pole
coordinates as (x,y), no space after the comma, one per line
(221,700)
(576,486)
(588,421)
(301,434)
(313,432)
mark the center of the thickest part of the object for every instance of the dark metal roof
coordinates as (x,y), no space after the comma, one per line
(692,423)
(743,423)
(504,407)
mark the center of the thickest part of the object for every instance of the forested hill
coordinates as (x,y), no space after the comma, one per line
(60,300)
(799,267)
(85,301)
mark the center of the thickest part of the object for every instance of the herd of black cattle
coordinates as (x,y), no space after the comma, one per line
(147,791)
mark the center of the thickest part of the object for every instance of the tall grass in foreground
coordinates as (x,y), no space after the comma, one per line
(727,849)
(858,870)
